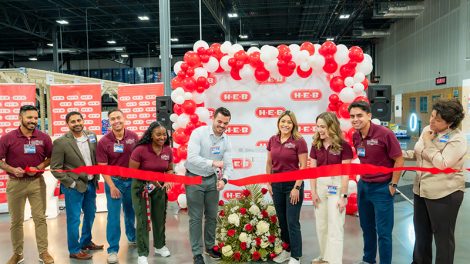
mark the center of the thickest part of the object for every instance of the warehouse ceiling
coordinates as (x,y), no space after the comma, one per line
(28,26)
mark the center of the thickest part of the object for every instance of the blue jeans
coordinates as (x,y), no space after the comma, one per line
(289,215)
(113,227)
(75,202)
(375,204)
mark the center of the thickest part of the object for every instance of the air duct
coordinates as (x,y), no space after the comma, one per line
(41,51)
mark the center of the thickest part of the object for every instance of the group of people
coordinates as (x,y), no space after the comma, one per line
(437,197)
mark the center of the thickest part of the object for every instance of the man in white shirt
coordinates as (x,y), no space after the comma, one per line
(209,156)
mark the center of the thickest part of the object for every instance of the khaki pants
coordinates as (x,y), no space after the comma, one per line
(35,191)
(329,221)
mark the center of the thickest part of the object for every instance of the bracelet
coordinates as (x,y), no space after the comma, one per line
(224,180)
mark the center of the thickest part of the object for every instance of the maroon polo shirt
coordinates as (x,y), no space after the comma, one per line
(327,156)
(149,160)
(105,151)
(381,148)
(285,156)
(12,148)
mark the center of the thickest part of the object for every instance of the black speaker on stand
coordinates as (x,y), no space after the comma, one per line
(380,97)
(164,110)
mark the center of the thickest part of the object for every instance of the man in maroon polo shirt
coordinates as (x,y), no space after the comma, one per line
(21,148)
(115,149)
(379,146)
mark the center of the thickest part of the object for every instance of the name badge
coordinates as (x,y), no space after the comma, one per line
(29,149)
(444,139)
(92,138)
(215,149)
(361,152)
(118,148)
(332,189)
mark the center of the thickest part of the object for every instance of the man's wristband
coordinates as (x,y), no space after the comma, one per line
(224,180)
(394,185)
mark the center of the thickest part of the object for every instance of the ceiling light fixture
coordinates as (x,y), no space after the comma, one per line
(62,22)
(111,42)
(232,15)
(120,49)
(344,16)
(243,36)
(124,55)
(50,44)
(33,59)
(144,18)
(174,39)
(330,39)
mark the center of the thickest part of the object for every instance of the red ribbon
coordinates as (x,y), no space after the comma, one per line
(311,173)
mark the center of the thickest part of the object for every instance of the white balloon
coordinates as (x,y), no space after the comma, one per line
(274,52)
(237,47)
(352,187)
(252,49)
(294,48)
(359,77)
(203,114)
(349,81)
(212,65)
(200,43)
(317,47)
(198,98)
(175,126)
(375,121)
(173,95)
(347,95)
(345,124)
(358,88)
(300,56)
(247,72)
(200,72)
(182,200)
(225,47)
(182,120)
(179,91)
(173,117)
(188,96)
(367,57)
(179,168)
(177,66)
(224,63)
(304,66)
(265,56)
(179,99)
(364,67)
(342,55)
(316,61)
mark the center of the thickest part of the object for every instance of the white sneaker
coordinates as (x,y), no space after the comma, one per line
(142,260)
(293,261)
(113,258)
(164,251)
(319,260)
(283,257)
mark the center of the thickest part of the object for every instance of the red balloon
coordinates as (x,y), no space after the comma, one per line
(239,64)
(365,83)
(215,47)
(286,56)
(281,64)
(254,60)
(189,84)
(172,195)
(235,73)
(337,84)
(192,59)
(283,48)
(193,118)
(200,89)
(241,56)
(343,110)
(232,62)
(189,107)
(205,58)
(327,47)
(180,137)
(176,82)
(201,51)
(261,74)
(334,98)
(177,109)
(330,66)
(347,70)
(291,65)
(356,54)
(361,98)
(333,107)
(183,151)
(303,74)
(285,71)
(308,46)
(184,66)
(181,74)
(201,81)
(190,72)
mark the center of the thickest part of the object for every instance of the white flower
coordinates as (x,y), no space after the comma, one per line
(243,237)
(271,210)
(265,244)
(254,210)
(227,251)
(234,219)
(278,249)
(262,227)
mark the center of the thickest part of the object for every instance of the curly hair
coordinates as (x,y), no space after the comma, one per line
(295,129)
(147,136)
(334,132)
(450,110)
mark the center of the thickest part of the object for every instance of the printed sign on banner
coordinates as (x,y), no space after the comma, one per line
(138,103)
(84,98)
(12,97)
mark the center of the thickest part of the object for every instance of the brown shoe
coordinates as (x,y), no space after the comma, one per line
(81,255)
(16,259)
(46,258)
(93,246)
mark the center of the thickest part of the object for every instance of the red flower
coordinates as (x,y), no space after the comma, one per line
(216,248)
(265,214)
(243,245)
(243,210)
(248,227)
(264,190)
(222,213)
(271,239)
(236,256)
(246,193)
(256,256)
(272,255)
(285,245)
(231,232)
(221,244)
(258,241)
(221,203)
(273,219)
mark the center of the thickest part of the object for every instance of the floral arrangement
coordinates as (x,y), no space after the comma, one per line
(247,228)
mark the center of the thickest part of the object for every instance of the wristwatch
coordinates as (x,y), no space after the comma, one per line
(344,195)
(297,187)
(224,180)
(394,185)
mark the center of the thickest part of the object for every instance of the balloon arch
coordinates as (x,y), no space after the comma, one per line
(344,68)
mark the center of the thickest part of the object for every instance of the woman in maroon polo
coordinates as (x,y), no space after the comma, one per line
(329,194)
(152,153)
(287,151)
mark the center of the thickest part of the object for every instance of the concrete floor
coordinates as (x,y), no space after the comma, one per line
(178,242)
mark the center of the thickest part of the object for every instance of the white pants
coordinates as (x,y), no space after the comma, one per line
(329,221)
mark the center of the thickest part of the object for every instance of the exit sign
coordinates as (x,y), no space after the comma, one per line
(441,80)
